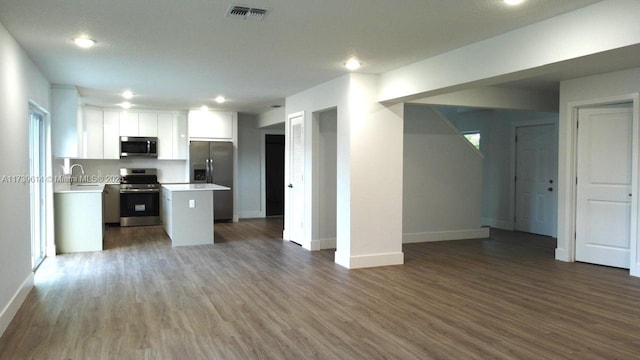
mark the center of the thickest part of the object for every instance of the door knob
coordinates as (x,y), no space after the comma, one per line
(550,189)
(550,181)
(290,186)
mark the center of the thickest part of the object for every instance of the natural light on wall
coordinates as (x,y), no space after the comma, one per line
(473,137)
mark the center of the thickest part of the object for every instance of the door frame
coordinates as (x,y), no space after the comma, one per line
(50,246)
(570,188)
(513,167)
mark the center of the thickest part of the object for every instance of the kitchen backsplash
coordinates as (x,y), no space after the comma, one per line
(169,171)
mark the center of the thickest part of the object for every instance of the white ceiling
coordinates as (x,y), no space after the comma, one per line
(182,54)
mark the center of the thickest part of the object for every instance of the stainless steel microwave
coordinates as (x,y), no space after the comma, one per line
(135,146)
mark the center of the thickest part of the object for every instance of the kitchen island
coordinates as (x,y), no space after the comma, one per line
(187,212)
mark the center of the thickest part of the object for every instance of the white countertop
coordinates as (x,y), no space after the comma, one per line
(79,188)
(194,187)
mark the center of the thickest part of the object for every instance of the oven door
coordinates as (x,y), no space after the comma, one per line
(139,207)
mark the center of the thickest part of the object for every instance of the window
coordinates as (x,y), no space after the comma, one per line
(473,137)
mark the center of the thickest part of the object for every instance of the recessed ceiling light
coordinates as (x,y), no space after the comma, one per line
(84,42)
(513,2)
(352,64)
(220,99)
(204,108)
(125,105)
(127,94)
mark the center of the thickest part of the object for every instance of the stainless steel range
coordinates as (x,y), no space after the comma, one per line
(139,197)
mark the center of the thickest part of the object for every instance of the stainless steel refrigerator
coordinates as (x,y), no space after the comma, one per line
(212,162)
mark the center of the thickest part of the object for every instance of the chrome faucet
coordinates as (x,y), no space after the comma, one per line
(71,172)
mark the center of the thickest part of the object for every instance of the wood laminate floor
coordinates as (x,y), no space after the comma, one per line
(253,296)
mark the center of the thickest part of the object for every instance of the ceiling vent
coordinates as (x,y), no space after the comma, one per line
(245,12)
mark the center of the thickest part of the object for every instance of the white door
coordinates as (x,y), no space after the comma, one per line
(536,176)
(296,179)
(603,203)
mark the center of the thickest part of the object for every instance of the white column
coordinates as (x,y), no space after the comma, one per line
(369,178)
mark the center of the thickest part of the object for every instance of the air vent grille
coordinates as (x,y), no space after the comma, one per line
(244,12)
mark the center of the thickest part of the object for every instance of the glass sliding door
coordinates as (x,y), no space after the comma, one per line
(37,180)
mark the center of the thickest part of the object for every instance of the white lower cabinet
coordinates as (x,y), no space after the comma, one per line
(78,221)
(166,212)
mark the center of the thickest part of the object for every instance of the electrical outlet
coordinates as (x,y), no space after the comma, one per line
(192,204)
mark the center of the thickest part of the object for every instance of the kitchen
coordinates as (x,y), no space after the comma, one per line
(145,150)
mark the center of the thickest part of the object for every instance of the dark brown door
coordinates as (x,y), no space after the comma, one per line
(274,174)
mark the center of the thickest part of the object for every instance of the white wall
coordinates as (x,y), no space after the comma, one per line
(369,201)
(442,179)
(592,89)
(332,94)
(496,144)
(518,54)
(327,159)
(251,162)
(20,81)
(169,171)
(272,117)
(249,167)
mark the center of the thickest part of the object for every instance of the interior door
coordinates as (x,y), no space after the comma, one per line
(296,179)
(274,174)
(603,213)
(536,175)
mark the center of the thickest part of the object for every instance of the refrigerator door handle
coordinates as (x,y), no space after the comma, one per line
(211,170)
(210,176)
(206,170)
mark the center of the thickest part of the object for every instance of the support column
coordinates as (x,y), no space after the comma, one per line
(369,178)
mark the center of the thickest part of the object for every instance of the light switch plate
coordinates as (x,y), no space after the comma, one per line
(192,204)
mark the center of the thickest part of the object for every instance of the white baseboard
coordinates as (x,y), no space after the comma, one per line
(634,270)
(562,255)
(14,304)
(323,244)
(479,233)
(250,214)
(498,224)
(370,260)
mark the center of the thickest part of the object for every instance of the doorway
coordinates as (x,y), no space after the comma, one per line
(37,181)
(274,174)
(536,178)
(604,182)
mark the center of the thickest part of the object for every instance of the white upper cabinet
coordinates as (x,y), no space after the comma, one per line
(87,132)
(65,113)
(172,136)
(211,125)
(129,123)
(165,136)
(92,133)
(111,139)
(180,141)
(148,124)
(137,123)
